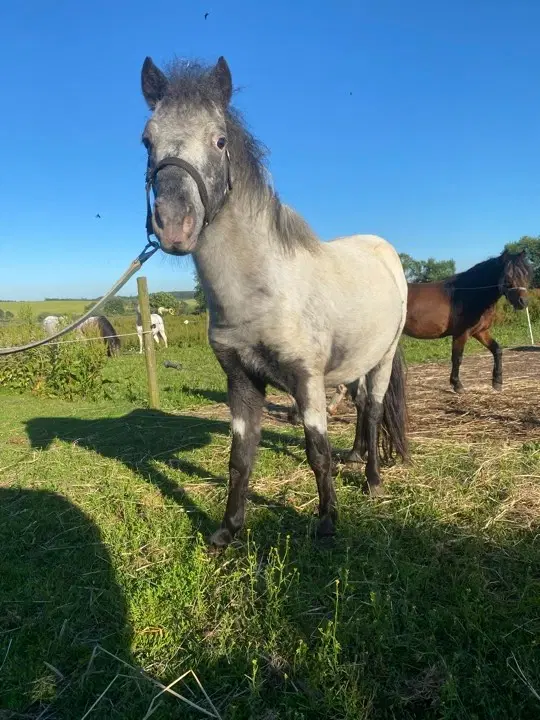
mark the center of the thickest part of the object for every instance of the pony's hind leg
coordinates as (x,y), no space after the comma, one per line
(246,401)
(164,338)
(358,392)
(311,399)
(293,414)
(337,399)
(484,338)
(458,344)
(389,370)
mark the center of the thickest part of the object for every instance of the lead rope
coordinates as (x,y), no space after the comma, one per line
(151,247)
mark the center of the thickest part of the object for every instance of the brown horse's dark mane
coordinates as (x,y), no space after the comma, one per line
(507,269)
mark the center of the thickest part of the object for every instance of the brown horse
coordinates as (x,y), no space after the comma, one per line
(463,306)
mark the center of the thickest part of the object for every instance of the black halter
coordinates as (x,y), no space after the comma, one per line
(195,175)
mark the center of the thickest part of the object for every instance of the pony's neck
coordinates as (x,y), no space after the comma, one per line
(486,285)
(239,259)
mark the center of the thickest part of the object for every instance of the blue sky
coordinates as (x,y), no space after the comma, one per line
(437,148)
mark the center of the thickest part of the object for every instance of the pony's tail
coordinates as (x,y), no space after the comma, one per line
(393,429)
(393,441)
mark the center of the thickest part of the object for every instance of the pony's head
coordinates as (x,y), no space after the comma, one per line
(515,279)
(187,142)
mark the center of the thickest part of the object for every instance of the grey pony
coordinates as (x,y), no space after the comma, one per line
(286,309)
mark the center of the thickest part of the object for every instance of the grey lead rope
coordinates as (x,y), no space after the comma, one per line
(149,250)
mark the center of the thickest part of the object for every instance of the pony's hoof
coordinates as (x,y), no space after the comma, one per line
(497,386)
(221,538)
(326,527)
(352,458)
(459,389)
(376,490)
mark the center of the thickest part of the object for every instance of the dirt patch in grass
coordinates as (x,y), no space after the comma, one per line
(435,411)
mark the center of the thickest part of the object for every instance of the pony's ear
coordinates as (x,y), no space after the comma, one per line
(153,82)
(223,76)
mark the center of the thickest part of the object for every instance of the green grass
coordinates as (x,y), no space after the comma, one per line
(426,605)
(58,307)
(53,307)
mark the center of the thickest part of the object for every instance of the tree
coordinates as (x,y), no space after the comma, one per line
(433,270)
(114,306)
(430,270)
(532,247)
(411,267)
(200,300)
(164,299)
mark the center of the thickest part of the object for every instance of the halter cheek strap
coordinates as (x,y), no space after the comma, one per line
(195,176)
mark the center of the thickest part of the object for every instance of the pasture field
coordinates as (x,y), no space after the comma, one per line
(52,307)
(57,307)
(426,604)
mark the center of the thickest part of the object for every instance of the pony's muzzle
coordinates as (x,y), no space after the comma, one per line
(518,298)
(177,234)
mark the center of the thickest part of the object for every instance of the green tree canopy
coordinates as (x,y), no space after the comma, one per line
(166,300)
(430,270)
(114,306)
(200,299)
(532,247)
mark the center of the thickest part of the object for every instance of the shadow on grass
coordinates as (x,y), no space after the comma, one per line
(433,620)
(142,437)
(58,598)
(215,396)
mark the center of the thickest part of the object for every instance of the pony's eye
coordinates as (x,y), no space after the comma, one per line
(221,142)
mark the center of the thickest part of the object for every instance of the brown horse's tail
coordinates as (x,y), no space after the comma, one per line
(393,430)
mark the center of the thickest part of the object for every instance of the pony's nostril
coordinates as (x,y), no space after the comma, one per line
(188,225)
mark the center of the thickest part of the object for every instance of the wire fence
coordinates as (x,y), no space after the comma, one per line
(99,337)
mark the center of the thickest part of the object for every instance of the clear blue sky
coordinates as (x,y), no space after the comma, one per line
(437,149)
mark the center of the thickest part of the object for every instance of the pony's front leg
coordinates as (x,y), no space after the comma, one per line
(485,339)
(140,343)
(246,401)
(458,345)
(311,399)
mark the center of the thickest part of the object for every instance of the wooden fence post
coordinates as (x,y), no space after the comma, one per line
(148,343)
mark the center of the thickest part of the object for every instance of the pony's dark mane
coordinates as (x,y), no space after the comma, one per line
(512,268)
(194,83)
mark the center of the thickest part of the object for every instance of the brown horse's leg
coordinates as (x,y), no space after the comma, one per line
(485,339)
(458,344)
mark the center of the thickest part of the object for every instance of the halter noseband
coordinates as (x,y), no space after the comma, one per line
(195,176)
